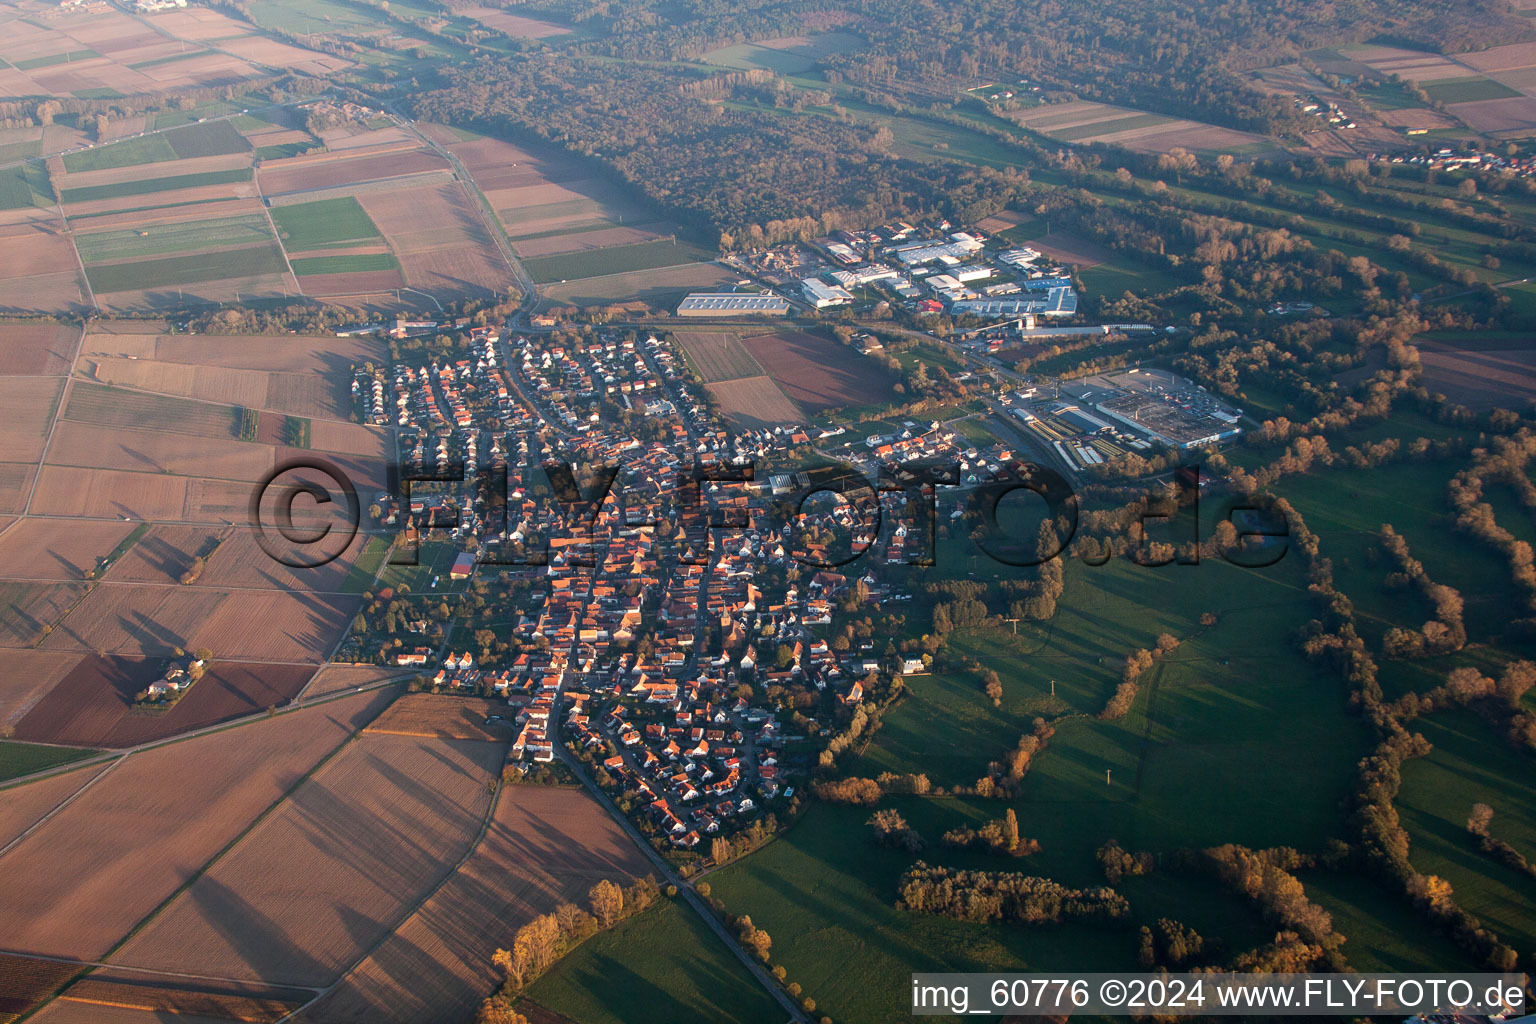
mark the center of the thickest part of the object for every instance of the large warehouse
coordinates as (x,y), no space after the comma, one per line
(732,304)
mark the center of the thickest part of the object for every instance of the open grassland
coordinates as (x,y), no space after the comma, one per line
(544,845)
(826,886)
(667,952)
(80,882)
(1470,764)
(369,834)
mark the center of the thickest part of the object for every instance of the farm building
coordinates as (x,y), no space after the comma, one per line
(463,566)
(732,304)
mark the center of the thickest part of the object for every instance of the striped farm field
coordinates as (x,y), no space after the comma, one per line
(178,237)
(326,222)
(249,262)
(79,883)
(150,186)
(368,834)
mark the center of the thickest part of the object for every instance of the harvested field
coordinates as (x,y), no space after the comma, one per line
(368,834)
(148,451)
(442,245)
(1074,249)
(62,551)
(73,491)
(35,349)
(755,402)
(15,483)
(279,626)
(661,288)
(241,562)
(115,407)
(718,355)
(440,716)
(25,805)
(24,983)
(79,883)
(29,675)
(168,215)
(1497,115)
(359,137)
(39,273)
(210,1000)
(226,289)
(1004,221)
(29,610)
(1414,117)
(284,353)
(134,619)
(1501,58)
(164,553)
(377,282)
(1478,375)
(580,241)
(93,705)
(29,404)
(545,845)
(67,1011)
(514,25)
(302,394)
(305,173)
(818,373)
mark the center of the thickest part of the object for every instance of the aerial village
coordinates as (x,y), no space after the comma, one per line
(678,661)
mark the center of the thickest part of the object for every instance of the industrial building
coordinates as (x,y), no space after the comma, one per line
(821,295)
(732,304)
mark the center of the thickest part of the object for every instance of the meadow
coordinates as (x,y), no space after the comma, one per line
(663,966)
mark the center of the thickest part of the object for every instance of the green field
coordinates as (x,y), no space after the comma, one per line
(173,58)
(662,967)
(57,58)
(149,186)
(18,759)
(24,185)
(172,271)
(614,260)
(1236,693)
(1472,763)
(794,60)
(328,222)
(1098,128)
(353,263)
(180,237)
(1467,90)
(211,138)
(146,149)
